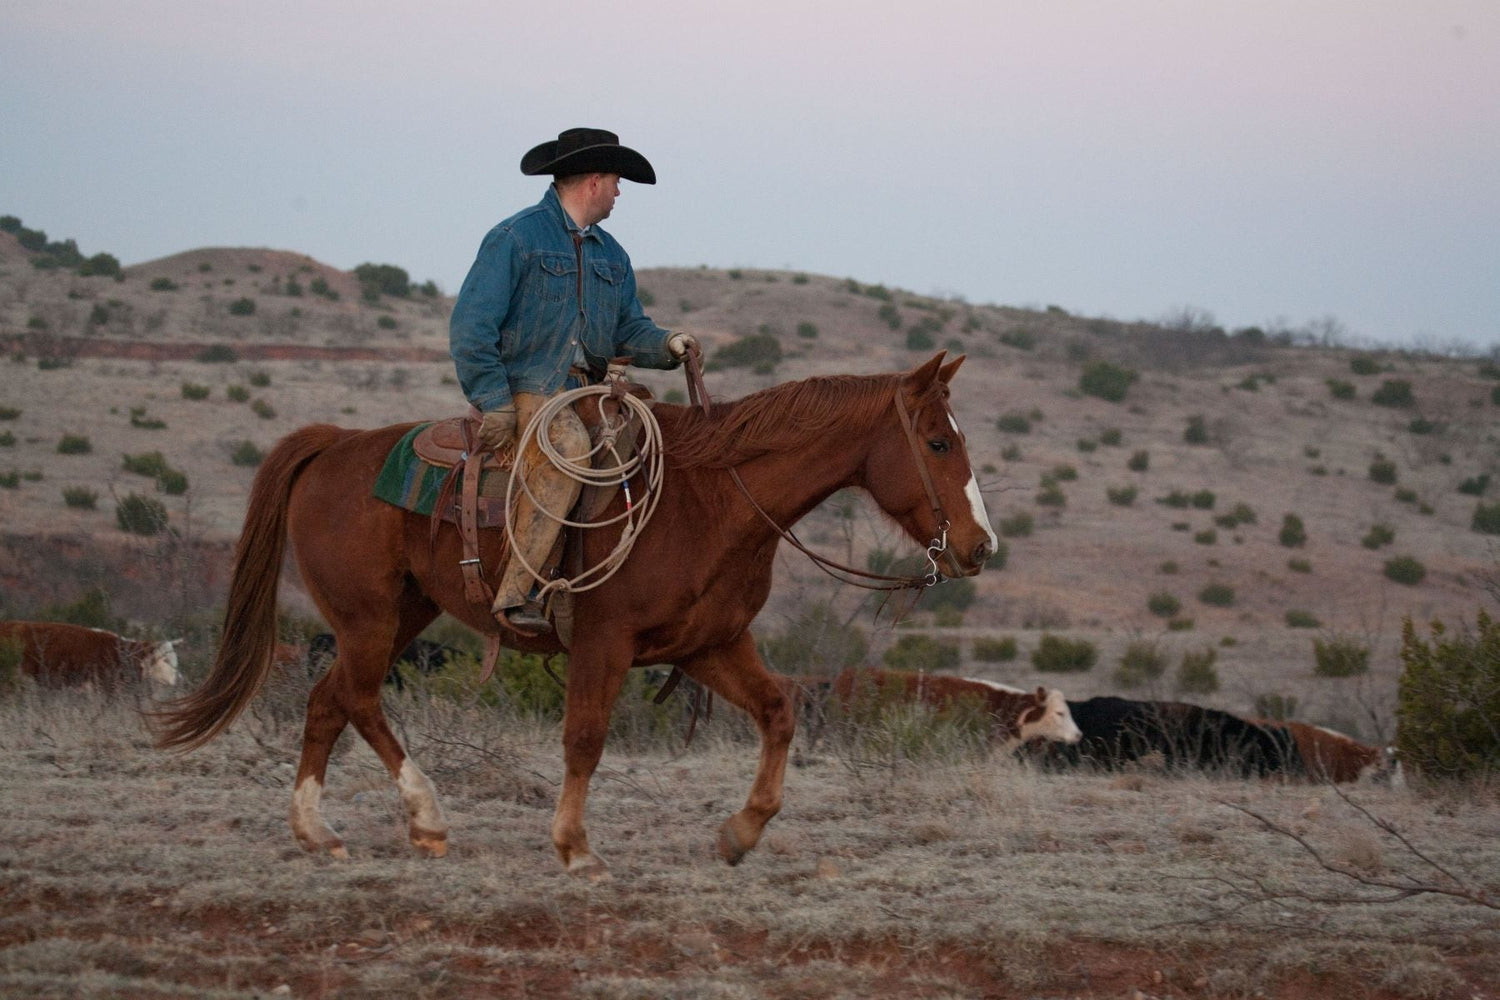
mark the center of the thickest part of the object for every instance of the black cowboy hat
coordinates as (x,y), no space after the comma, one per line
(588,151)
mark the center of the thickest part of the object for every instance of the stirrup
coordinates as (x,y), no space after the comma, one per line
(529,618)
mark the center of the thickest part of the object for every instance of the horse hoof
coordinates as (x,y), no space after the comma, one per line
(432,845)
(730,847)
(589,867)
(338,852)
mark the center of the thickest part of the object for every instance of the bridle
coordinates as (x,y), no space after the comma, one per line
(937,548)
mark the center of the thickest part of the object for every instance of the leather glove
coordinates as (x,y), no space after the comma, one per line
(497,428)
(678,344)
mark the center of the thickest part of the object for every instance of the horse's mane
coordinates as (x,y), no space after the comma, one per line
(780,418)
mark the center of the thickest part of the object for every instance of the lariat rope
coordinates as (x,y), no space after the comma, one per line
(602,466)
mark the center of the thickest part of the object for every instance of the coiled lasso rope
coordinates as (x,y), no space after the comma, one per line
(601,466)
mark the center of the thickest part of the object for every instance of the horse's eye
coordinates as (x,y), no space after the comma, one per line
(939,445)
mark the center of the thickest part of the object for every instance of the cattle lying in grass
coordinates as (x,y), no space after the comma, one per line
(59,655)
(1119,732)
(1327,755)
(423,655)
(1015,716)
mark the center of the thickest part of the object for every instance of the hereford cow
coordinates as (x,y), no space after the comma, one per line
(1015,716)
(1120,731)
(1326,755)
(58,655)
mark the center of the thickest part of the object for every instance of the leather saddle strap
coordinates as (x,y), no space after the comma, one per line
(476,590)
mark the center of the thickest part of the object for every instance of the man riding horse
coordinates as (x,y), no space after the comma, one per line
(549,301)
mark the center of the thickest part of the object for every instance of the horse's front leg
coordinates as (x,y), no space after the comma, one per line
(595,676)
(736,672)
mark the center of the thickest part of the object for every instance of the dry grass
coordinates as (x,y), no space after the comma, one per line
(128,872)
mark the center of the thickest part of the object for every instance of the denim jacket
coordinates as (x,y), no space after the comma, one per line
(531,298)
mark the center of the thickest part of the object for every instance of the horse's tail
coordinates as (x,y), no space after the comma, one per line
(248,639)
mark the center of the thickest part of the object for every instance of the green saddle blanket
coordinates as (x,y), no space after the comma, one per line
(412,484)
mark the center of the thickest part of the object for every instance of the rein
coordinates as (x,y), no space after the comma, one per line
(937,548)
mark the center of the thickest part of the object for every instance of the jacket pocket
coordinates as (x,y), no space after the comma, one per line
(555,277)
(604,289)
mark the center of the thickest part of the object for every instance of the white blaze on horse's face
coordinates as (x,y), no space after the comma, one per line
(971,490)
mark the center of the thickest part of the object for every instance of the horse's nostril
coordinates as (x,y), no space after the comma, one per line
(981,553)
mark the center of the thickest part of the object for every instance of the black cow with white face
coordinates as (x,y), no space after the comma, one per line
(1120,731)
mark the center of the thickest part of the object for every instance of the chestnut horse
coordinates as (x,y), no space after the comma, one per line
(697,575)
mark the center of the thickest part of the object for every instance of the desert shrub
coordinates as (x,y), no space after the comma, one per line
(263,409)
(890,316)
(320,286)
(1340,656)
(1121,496)
(236,393)
(817,643)
(139,419)
(1208,536)
(1203,499)
(260,379)
(1168,567)
(1299,565)
(10,480)
(1013,423)
(1054,654)
(1363,364)
(1139,461)
(246,454)
(1378,535)
(1106,381)
(386,322)
(1163,604)
(1018,525)
(163,285)
(1020,339)
(1395,393)
(1142,662)
(1196,673)
(918,339)
(1404,495)
(1086,446)
(1301,619)
(1051,495)
(1293,534)
(217,354)
(1001,650)
(1220,595)
(242,307)
(1196,431)
(1110,437)
(1405,570)
(172,482)
(99,315)
(1340,389)
(760,352)
(949,595)
(74,444)
(922,652)
(1177,499)
(807,331)
(1279,707)
(103,265)
(141,515)
(383,279)
(194,391)
(1382,470)
(1448,700)
(148,463)
(1486,519)
(1475,486)
(1180,625)
(1421,425)
(80,497)
(7,439)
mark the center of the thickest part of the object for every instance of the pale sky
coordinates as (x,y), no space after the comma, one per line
(1268,162)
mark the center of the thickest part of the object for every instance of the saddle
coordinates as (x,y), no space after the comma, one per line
(470,503)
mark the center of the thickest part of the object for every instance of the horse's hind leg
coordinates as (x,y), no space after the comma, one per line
(326,719)
(736,672)
(350,692)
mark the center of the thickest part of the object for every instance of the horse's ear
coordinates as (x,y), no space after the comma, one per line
(945,374)
(1041,696)
(921,378)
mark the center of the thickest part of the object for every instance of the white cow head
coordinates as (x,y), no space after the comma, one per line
(1055,721)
